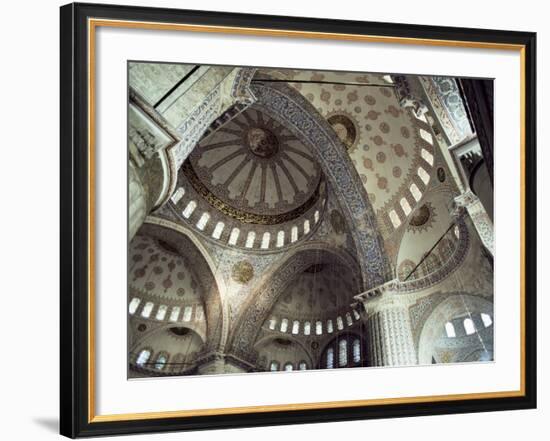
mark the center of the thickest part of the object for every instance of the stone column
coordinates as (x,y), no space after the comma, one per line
(481,220)
(388,326)
(137,202)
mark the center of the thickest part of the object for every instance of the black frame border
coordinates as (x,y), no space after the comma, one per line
(74,219)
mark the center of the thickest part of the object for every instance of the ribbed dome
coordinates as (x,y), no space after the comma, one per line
(255,165)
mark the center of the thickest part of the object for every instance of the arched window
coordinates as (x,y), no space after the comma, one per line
(274,366)
(356,350)
(349,321)
(289,366)
(394,218)
(178,194)
(450,330)
(187,312)
(343,353)
(203,221)
(265,240)
(339,323)
(272,323)
(318,327)
(302,366)
(469,326)
(280,238)
(161,312)
(330,329)
(250,238)
(284,325)
(174,315)
(405,206)
(428,157)
(188,211)
(161,362)
(306,226)
(456,230)
(133,306)
(143,357)
(218,230)
(330,358)
(307,328)
(423,174)
(146,312)
(415,191)
(295,327)
(233,236)
(486,319)
(316,216)
(356,314)
(294,234)
(426,136)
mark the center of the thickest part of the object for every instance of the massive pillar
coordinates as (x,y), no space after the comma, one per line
(388,327)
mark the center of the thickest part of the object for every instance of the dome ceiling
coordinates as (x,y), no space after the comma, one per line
(390,147)
(255,166)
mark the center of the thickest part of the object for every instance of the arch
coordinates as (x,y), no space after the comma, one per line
(215,305)
(454,306)
(291,109)
(273,283)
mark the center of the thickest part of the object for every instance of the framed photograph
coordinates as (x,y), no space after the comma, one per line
(274,220)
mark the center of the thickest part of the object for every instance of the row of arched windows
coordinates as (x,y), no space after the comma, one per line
(343,352)
(424,176)
(317,327)
(275,366)
(263,241)
(159,362)
(144,356)
(468,325)
(176,313)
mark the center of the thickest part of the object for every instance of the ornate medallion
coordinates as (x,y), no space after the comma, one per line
(422,218)
(242,272)
(262,142)
(344,128)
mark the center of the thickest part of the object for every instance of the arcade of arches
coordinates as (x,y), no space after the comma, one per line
(285,220)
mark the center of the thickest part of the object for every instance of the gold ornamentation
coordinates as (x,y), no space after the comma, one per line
(243,216)
(242,272)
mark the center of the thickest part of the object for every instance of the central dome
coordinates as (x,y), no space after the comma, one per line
(255,166)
